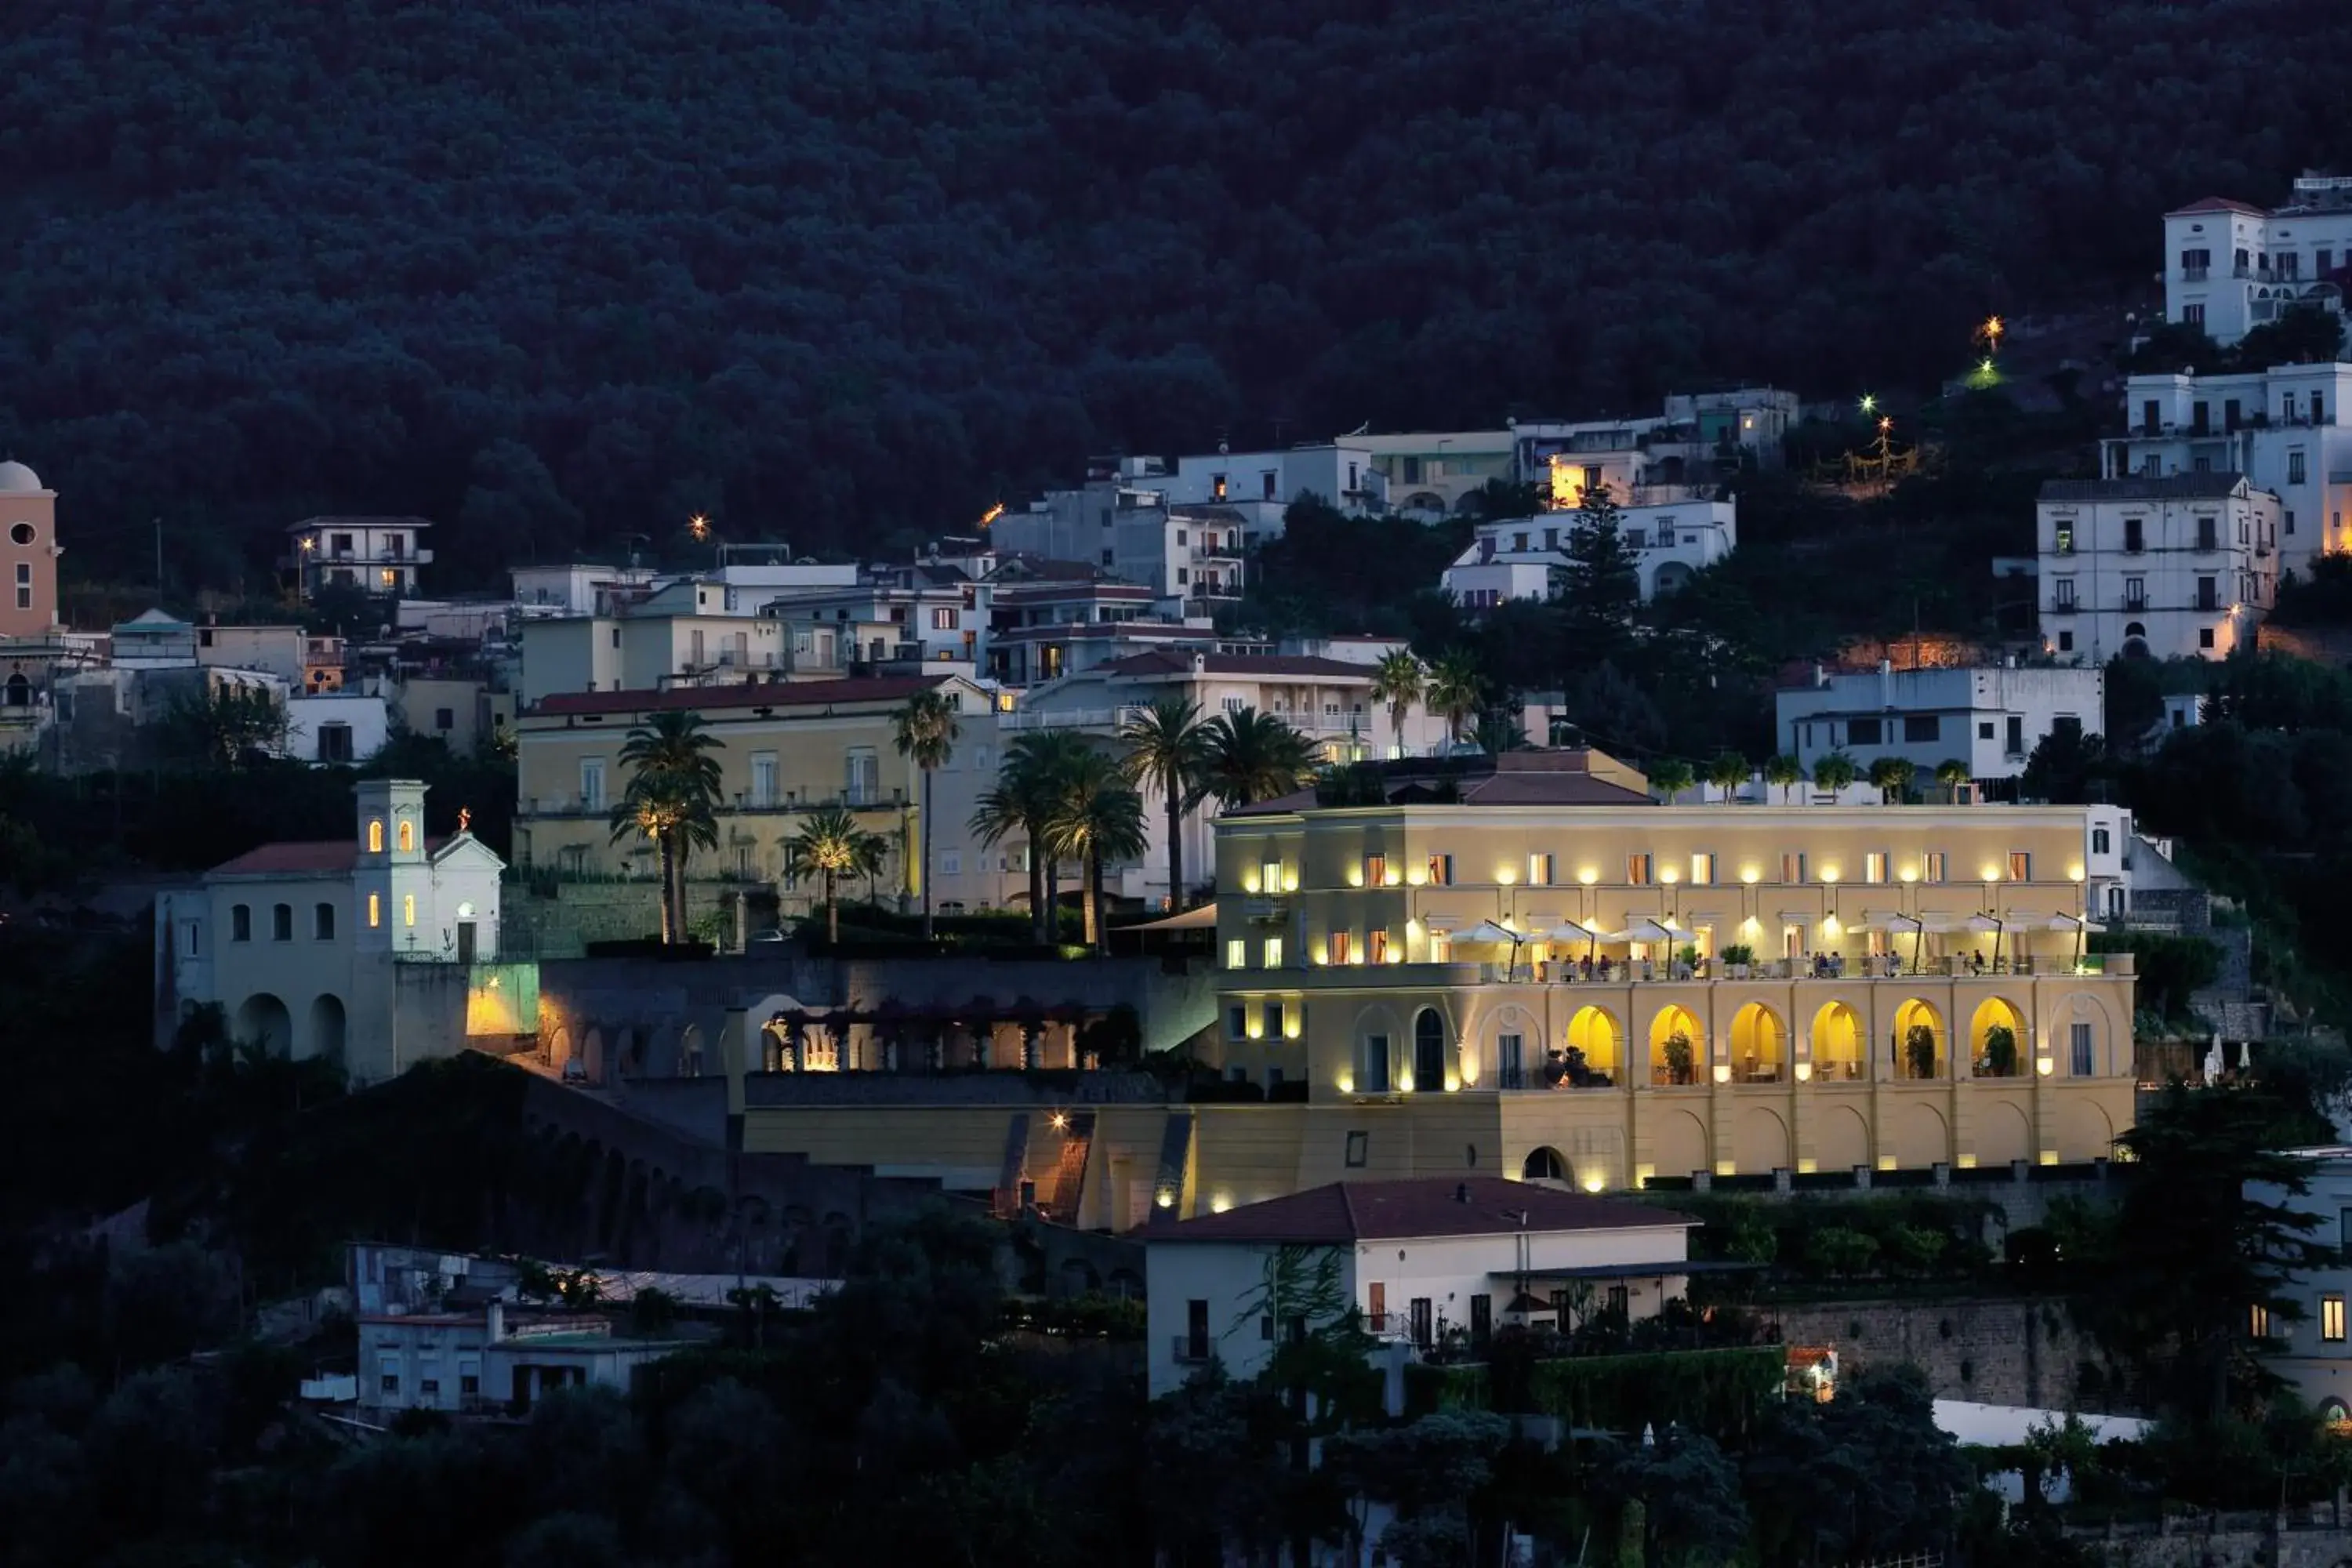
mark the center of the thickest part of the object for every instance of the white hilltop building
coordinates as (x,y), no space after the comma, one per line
(370,951)
(2230,267)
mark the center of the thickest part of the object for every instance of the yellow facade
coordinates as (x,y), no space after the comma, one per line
(1875,1043)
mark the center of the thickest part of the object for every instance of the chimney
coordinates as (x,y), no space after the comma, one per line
(498,1320)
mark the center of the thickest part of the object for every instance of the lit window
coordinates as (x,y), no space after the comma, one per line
(1343,947)
(1931,866)
(1269,877)
(2020,866)
(2258,1321)
(375,837)
(1274,952)
(1376,870)
(2331,1318)
(376,911)
(407,835)
(1539,870)
(1441,870)
(1792,868)
(1236,953)
(1441,946)
(408,909)
(1375,944)
(1874,866)
(1638,871)
(1702,869)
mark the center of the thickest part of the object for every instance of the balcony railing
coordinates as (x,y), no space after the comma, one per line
(2194,274)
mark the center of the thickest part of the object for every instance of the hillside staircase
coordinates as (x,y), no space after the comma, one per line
(1070,1173)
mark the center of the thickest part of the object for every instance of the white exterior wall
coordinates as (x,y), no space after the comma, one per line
(2098,572)
(375,556)
(1515,559)
(1991,719)
(366,715)
(1345,476)
(2255,261)
(409,1355)
(1433,473)
(2319,1368)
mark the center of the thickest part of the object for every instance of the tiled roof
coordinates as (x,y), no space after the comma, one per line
(2218,205)
(1514,778)
(1433,1207)
(2167,487)
(302,858)
(1274,666)
(768,694)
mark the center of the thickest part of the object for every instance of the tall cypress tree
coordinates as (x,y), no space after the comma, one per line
(1601,585)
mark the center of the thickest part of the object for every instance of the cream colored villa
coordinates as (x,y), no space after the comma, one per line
(1536,971)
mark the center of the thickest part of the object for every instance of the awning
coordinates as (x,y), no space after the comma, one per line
(1204,918)
(1646,930)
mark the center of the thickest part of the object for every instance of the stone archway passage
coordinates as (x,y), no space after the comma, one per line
(263,1021)
(328,1029)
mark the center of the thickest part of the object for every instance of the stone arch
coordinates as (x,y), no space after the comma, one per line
(1837,1043)
(1992,1013)
(1918,1013)
(558,1047)
(1670,1023)
(263,1021)
(1490,1065)
(1543,1164)
(592,1052)
(1681,1144)
(1598,1036)
(1760,1143)
(1671,577)
(20,691)
(1759,1047)
(1921,1136)
(2003,1134)
(328,1025)
(1429,1053)
(1425,500)
(1843,1139)
(2085,1133)
(2106,1025)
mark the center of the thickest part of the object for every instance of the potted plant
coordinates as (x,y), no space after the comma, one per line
(2001,1051)
(1919,1049)
(1678,1057)
(1688,956)
(1737,958)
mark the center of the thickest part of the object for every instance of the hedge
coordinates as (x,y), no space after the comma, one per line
(1715,1392)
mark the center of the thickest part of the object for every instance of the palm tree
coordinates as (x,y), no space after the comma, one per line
(829,847)
(1784,772)
(672,798)
(1023,801)
(926,732)
(1399,682)
(1670,777)
(1097,816)
(1166,746)
(1835,772)
(1892,777)
(1951,774)
(1728,772)
(1252,756)
(1455,691)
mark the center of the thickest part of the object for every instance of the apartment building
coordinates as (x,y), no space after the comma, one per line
(1673,530)
(785,749)
(2230,267)
(1191,556)
(378,555)
(1988,717)
(579,588)
(645,651)
(2185,566)
(1434,474)
(1697,436)
(2314,1353)
(2284,428)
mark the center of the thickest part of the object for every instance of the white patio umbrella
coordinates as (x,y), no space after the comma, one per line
(1572,931)
(1494,931)
(1983,922)
(1645,930)
(2061,921)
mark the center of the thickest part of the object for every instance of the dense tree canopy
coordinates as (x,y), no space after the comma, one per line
(554,273)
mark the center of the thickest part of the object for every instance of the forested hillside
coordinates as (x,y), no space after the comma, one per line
(831,269)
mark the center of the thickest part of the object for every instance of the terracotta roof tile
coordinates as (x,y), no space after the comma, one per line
(303,857)
(1439,1206)
(2219,204)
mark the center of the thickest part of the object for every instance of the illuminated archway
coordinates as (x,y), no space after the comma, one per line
(1920,1048)
(1677,1047)
(1590,1043)
(1837,1043)
(1991,1056)
(1759,1045)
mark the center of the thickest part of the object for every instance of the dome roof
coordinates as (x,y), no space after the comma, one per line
(18,480)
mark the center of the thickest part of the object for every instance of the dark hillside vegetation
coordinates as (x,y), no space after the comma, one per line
(553,273)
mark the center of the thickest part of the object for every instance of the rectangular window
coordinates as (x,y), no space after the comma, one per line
(1376,870)
(2078,1043)
(2062,593)
(1874,866)
(389,1383)
(408,909)
(2063,539)
(764,780)
(2295,470)
(1424,1323)
(1931,866)
(2208,593)
(2134,592)
(1196,1331)
(2209,534)
(944,620)
(2101,841)
(1269,1018)
(1359,1143)
(1376,1306)
(1269,877)
(282,923)
(2258,1321)
(2134,535)
(1702,869)
(2331,1318)
(469,1384)
(862,776)
(592,784)
(1638,871)
(2344,1232)
(1236,1021)
(2020,866)
(376,911)
(1862,731)
(240,922)
(1343,947)
(1922,727)
(1274,952)
(1236,953)
(1376,946)
(1441,870)
(445,718)
(1793,867)
(1482,1319)
(1539,870)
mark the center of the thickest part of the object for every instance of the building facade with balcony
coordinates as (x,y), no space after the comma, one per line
(2185,566)
(1990,717)
(2230,267)
(377,555)
(1698,438)
(647,652)
(2313,1355)
(1488,975)
(786,749)
(1418,1261)
(299,943)
(2285,428)
(1673,531)
(1435,474)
